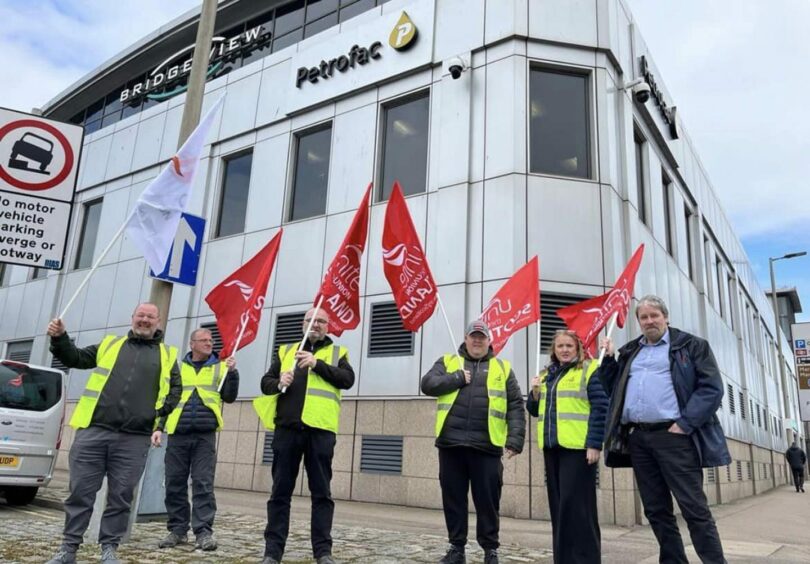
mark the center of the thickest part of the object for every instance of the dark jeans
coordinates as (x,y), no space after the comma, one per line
(571,485)
(194,454)
(665,463)
(798,477)
(316,447)
(462,469)
(96,453)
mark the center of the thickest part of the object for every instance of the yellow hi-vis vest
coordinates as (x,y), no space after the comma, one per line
(106,356)
(322,399)
(496,390)
(206,382)
(573,407)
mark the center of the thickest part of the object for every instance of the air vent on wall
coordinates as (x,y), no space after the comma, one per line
(381,454)
(19,351)
(267,451)
(387,336)
(549,321)
(289,329)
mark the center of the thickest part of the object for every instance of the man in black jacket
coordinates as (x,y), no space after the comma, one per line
(303,391)
(479,414)
(664,391)
(134,380)
(192,448)
(796,459)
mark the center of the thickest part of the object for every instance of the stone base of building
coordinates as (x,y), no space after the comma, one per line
(244,451)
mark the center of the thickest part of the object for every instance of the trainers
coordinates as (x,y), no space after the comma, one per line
(455,555)
(325,559)
(206,541)
(108,554)
(490,556)
(63,556)
(172,540)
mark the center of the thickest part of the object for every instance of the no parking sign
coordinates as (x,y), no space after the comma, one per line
(39,163)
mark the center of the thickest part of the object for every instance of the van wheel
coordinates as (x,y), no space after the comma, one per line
(20,495)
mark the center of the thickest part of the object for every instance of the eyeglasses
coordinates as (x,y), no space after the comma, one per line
(316,320)
(145,316)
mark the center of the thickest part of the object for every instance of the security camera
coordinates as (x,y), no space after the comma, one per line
(641,92)
(456,66)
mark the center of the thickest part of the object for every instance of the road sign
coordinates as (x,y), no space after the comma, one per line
(184,258)
(39,163)
(801,344)
(801,335)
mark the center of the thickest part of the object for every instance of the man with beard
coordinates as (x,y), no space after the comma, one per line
(134,380)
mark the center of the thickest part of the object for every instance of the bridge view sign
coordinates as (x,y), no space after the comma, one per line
(39,163)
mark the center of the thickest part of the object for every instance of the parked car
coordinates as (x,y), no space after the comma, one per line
(32,413)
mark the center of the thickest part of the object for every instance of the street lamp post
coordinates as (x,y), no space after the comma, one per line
(781,358)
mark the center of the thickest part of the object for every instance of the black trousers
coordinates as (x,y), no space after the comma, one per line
(798,477)
(194,454)
(667,463)
(462,469)
(317,448)
(571,486)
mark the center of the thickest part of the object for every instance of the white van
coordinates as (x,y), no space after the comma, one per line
(32,412)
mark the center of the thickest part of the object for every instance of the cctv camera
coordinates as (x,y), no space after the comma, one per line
(456,66)
(641,92)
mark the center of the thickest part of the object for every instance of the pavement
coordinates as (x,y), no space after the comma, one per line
(767,528)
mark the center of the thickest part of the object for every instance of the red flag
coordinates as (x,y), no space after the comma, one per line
(514,306)
(238,300)
(405,264)
(587,318)
(340,288)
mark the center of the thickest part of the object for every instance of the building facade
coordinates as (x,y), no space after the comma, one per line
(513,131)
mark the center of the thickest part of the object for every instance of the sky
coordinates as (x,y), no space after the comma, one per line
(736,70)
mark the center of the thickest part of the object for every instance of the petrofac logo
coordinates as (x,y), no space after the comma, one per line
(403,34)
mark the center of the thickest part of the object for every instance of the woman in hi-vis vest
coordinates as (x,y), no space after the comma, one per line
(570,405)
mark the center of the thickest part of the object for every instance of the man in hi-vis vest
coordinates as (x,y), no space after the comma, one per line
(134,380)
(479,414)
(304,419)
(192,447)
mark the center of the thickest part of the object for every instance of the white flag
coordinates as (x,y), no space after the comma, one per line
(153,223)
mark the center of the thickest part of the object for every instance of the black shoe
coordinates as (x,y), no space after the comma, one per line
(326,559)
(206,541)
(455,555)
(64,556)
(491,556)
(172,540)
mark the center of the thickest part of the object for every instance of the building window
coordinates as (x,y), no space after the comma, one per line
(3,271)
(405,145)
(19,351)
(687,216)
(88,234)
(666,183)
(234,197)
(37,273)
(311,175)
(641,184)
(559,129)
(718,272)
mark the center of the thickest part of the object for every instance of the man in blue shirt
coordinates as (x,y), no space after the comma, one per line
(664,389)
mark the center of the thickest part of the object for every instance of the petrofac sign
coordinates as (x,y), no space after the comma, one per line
(39,164)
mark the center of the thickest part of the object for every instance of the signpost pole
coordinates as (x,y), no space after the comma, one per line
(161,292)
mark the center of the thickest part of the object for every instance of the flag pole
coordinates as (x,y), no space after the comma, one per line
(449,330)
(306,333)
(537,355)
(95,266)
(611,326)
(235,348)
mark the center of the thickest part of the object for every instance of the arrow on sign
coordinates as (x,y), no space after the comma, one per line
(185,236)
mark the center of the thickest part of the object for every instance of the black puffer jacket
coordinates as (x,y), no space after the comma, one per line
(467,423)
(795,457)
(127,402)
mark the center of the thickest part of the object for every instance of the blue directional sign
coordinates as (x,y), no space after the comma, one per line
(184,258)
(801,344)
